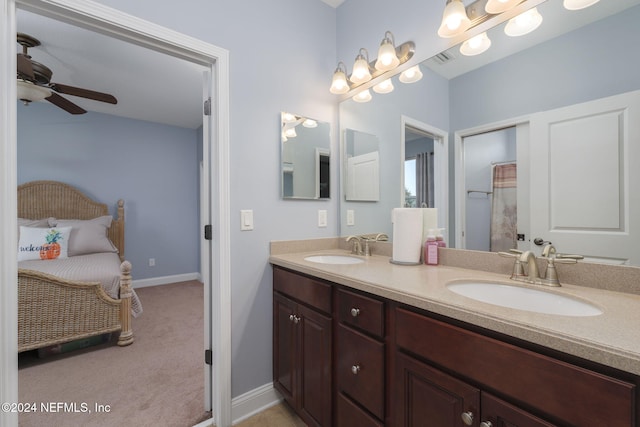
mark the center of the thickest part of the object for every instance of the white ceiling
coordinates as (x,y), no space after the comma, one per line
(157,87)
(148,85)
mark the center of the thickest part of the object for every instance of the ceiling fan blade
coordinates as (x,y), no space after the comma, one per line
(25,67)
(65,104)
(84,93)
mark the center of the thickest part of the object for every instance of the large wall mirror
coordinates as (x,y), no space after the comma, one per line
(582,56)
(305,157)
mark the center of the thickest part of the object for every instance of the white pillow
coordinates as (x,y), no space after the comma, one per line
(87,236)
(33,223)
(43,243)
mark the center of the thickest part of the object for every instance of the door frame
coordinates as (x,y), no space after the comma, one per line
(522,140)
(109,21)
(440,167)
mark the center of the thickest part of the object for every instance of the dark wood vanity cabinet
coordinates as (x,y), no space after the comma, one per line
(346,358)
(535,389)
(359,360)
(302,345)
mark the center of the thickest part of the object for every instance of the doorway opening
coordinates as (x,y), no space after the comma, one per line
(424,151)
(216,165)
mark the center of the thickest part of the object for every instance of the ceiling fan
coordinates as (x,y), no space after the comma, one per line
(34,82)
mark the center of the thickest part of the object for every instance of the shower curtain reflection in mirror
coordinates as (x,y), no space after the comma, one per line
(491,189)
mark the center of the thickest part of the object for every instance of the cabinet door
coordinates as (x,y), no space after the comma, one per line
(284,347)
(425,396)
(360,369)
(502,414)
(315,389)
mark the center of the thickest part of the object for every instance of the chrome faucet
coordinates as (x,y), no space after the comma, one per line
(528,260)
(358,248)
(533,275)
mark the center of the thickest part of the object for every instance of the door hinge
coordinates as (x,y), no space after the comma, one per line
(207,232)
(207,107)
(208,357)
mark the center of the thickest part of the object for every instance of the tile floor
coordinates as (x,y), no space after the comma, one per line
(277,416)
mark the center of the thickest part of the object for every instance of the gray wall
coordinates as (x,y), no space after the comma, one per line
(282,54)
(152,167)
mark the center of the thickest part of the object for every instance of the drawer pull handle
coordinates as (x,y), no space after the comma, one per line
(467,418)
(294,318)
(355,369)
(486,424)
(355,312)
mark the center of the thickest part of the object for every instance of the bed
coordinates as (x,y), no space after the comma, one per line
(86,291)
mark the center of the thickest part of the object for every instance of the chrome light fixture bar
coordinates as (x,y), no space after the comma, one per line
(389,58)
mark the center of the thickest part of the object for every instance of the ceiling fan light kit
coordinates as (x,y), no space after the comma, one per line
(34,82)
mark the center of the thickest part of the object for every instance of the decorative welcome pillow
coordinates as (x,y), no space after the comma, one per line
(43,243)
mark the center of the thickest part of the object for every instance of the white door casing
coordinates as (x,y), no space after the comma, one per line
(585,176)
(106,20)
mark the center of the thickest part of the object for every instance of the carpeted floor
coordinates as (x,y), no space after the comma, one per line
(156,381)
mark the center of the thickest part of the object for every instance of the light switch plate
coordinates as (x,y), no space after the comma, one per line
(351,217)
(246,220)
(322,218)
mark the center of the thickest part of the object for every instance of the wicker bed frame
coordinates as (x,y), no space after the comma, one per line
(52,310)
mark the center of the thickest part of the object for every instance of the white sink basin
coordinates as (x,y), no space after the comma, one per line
(521,298)
(334,259)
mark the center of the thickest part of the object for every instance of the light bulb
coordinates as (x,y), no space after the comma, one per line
(384,86)
(524,23)
(364,96)
(411,75)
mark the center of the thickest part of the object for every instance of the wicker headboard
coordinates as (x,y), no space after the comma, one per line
(44,199)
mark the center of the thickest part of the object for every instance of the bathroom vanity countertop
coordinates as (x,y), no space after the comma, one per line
(611,338)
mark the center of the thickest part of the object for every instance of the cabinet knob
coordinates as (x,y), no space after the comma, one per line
(486,424)
(355,312)
(294,318)
(467,418)
(355,369)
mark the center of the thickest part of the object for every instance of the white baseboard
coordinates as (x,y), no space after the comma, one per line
(254,401)
(165,280)
(250,403)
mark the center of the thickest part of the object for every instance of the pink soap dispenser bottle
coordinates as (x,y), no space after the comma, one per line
(440,238)
(431,249)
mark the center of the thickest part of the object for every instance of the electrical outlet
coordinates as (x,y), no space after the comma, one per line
(351,217)
(152,262)
(322,218)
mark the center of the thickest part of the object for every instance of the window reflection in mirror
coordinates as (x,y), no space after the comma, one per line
(362,166)
(305,157)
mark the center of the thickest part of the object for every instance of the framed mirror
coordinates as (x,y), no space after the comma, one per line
(583,56)
(305,157)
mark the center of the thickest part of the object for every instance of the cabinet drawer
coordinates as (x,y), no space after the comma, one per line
(575,395)
(360,369)
(302,288)
(349,414)
(361,312)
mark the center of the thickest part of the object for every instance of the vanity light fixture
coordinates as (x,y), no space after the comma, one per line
(309,123)
(364,96)
(387,57)
(411,75)
(454,19)
(288,118)
(524,23)
(361,73)
(339,84)
(476,45)
(498,6)
(384,86)
(578,4)
(290,132)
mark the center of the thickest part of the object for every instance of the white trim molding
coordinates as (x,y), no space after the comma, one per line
(97,17)
(165,280)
